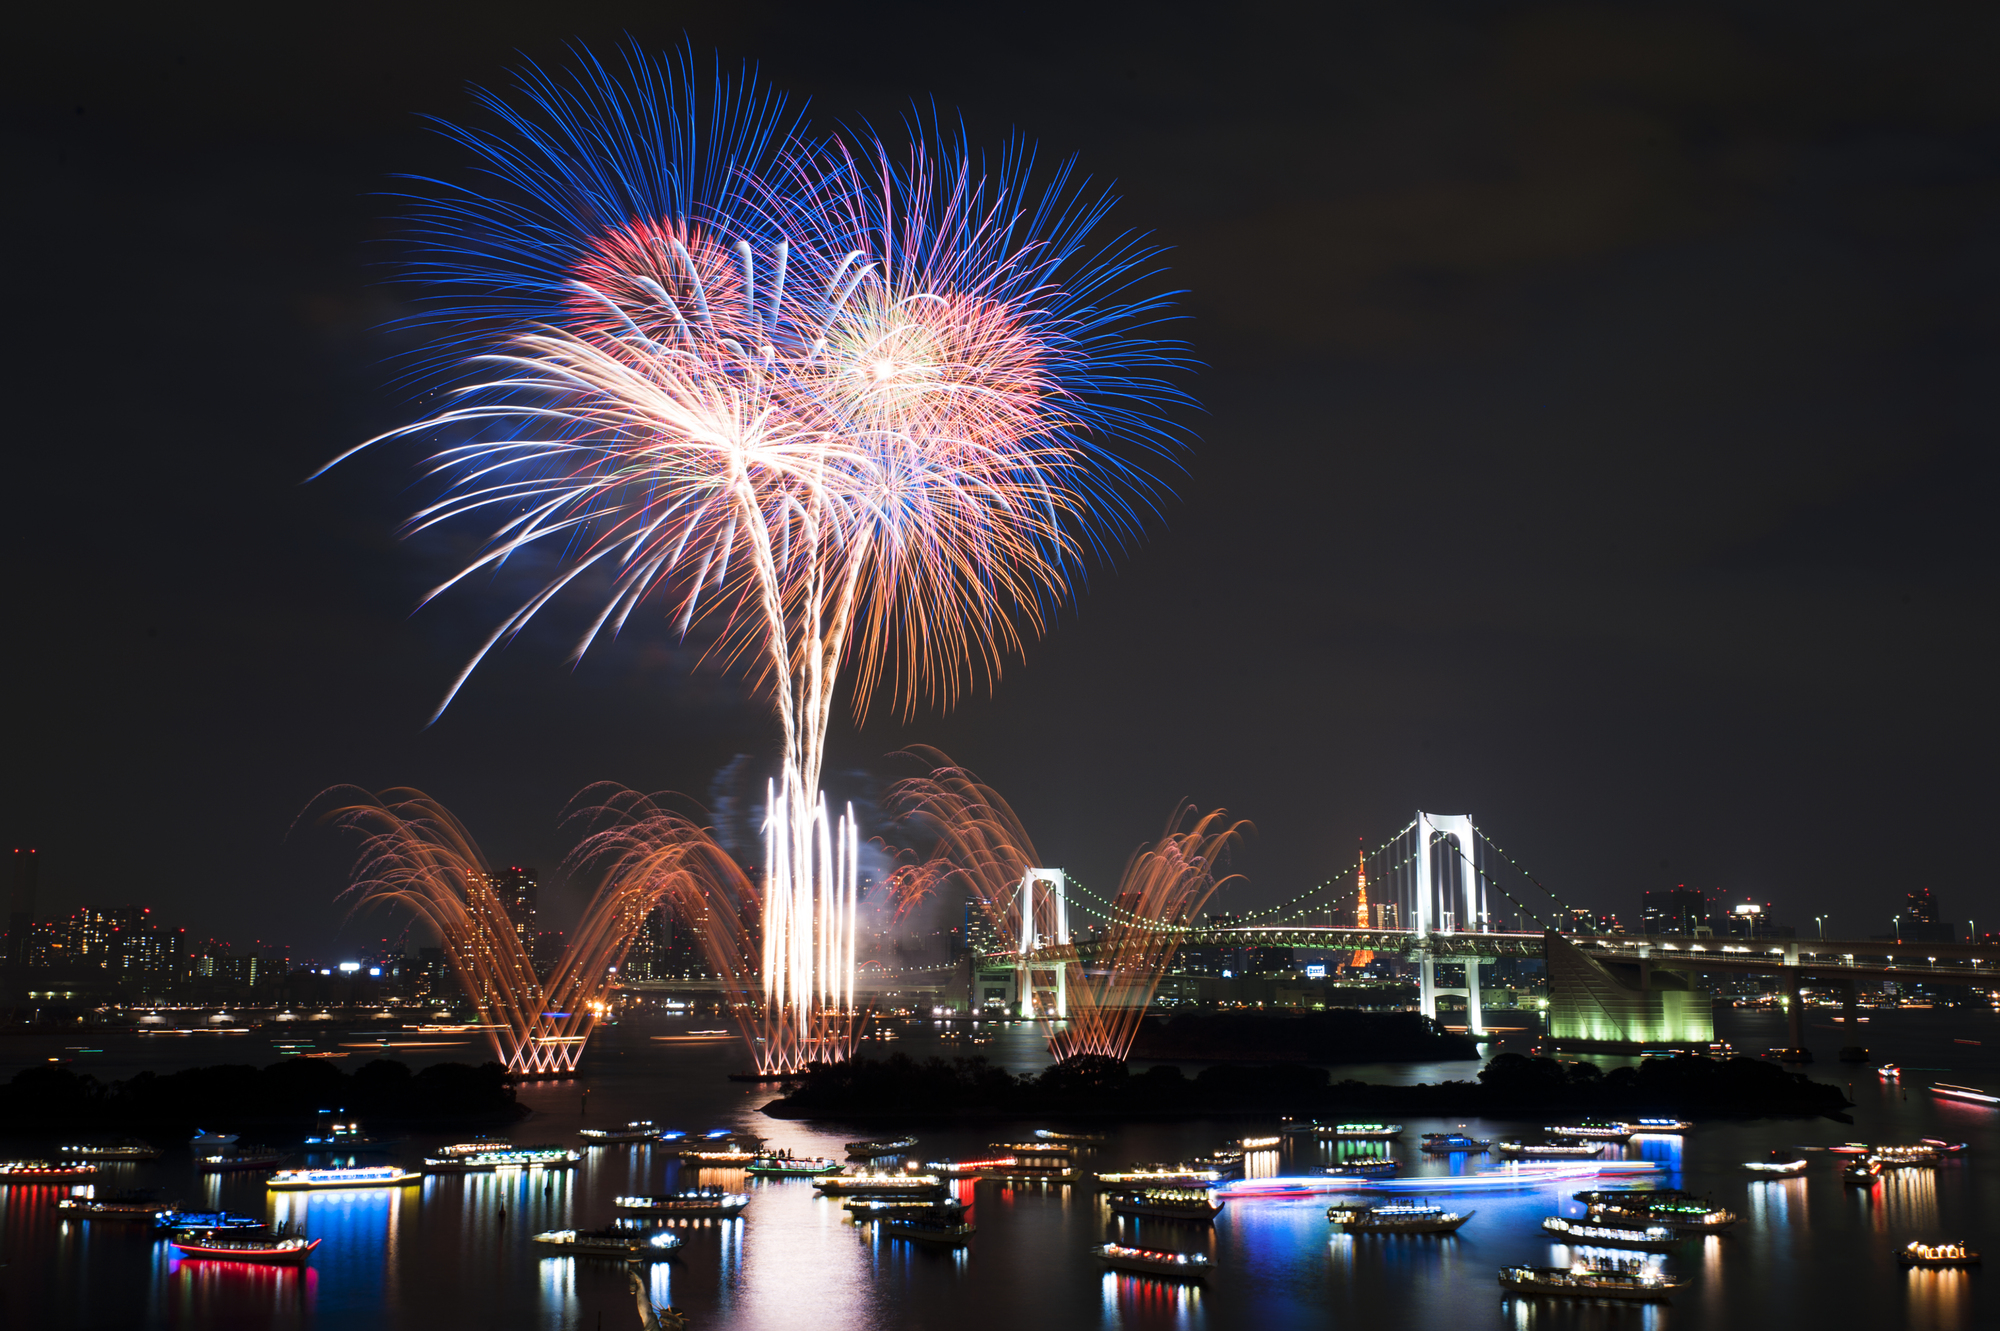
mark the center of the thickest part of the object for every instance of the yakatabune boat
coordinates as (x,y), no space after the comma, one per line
(367,1176)
(1366,1132)
(1610,1280)
(1595,1130)
(792,1166)
(43,1171)
(129,1149)
(626,1245)
(1937,1255)
(502,1157)
(871,1150)
(1190,1266)
(1698,1217)
(701,1203)
(1397,1219)
(141,1206)
(1557,1150)
(638,1130)
(273,1250)
(1662,1125)
(945,1225)
(880,1185)
(238,1159)
(1192,1204)
(1453,1143)
(1604,1234)
(193,1222)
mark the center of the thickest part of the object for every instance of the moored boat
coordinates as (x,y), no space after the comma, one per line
(638,1130)
(1161,1175)
(502,1157)
(1557,1150)
(1781,1162)
(625,1245)
(875,1150)
(1662,1125)
(198,1222)
(1365,1132)
(969,1168)
(1861,1174)
(1396,1218)
(1190,1204)
(269,1250)
(204,1140)
(141,1206)
(1453,1143)
(1680,1217)
(1030,1148)
(45,1171)
(1609,1280)
(945,1225)
(129,1149)
(786,1165)
(366,1176)
(238,1159)
(1607,1234)
(1593,1130)
(699,1203)
(1189,1266)
(880,1185)
(1364,1166)
(1904,1157)
(1937,1255)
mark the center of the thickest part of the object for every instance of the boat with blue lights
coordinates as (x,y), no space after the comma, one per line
(1397,1218)
(1186,1266)
(191,1222)
(1454,1143)
(1281,1188)
(1662,1126)
(1080,1138)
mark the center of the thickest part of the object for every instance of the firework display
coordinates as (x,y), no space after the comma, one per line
(832,403)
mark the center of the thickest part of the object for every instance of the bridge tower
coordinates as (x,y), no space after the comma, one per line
(1440,909)
(1044,923)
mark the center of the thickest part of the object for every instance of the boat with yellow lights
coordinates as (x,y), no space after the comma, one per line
(1195,1205)
(870,1184)
(1358,1132)
(366,1176)
(1397,1219)
(1602,1279)
(1937,1256)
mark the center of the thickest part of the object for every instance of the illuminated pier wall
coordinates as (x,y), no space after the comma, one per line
(1619,1007)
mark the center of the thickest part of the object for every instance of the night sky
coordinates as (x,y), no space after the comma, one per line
(1597,437)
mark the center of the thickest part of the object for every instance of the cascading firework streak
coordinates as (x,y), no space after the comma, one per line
(832,404)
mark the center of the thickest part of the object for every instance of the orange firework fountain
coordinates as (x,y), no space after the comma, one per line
(978,840)
(1163,889)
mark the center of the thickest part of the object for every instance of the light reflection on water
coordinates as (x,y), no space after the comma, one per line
(454,1252)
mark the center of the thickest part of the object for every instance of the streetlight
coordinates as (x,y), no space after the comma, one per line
(1899,928)
(1822,927)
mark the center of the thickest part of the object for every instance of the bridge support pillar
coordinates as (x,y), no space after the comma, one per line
(1795,1010)
(1427,989)
(1475,1017)
(1848,1012)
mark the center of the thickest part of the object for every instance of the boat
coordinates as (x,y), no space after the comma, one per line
(626,1245)
(1635,1196)
(1365,1132)
(503,1157)
(239,1159)
(1397,1218)
(1030,1148)
(638,1130)
(1861,1174)
(1594,1130)
(700,1203)
(969,1168)
(873,1150)
(268,1250)
(210,1141)
(474,1147)
(1191,1204)
(363,1176)
(881,1185)
(1189,1266)
(1081,1138)
(348,1136)
(1679,1216)
(947,1225)
(865,1209)
(1605,1234)
(1782,1163)
(1591,1280)
(1270,1142)
(1559,1150)
(1453,1143)
(1904,1157)
(724,1156)
(195,1222)
(1936,1255)
(145,1206)
(1162,1175)
(44,1171)
(1662,1125)
(792,1166)
(1363,1167)
(129,1149)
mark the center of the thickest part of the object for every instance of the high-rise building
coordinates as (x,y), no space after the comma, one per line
(1678,910)
(1920,922)
(520,896)
(1921,907)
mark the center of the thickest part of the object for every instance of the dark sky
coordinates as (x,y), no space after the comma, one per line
(1598,438)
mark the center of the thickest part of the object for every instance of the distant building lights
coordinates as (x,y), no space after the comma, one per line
(350,966)
(1315,972)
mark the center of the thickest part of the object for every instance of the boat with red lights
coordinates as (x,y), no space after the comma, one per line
(1966,1094)
(270,1250)
(1943,1147)
(1188,1266)
(44,1171)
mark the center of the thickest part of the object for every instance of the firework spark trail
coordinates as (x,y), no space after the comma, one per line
(837,404)
(1164,887)
(975,835)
